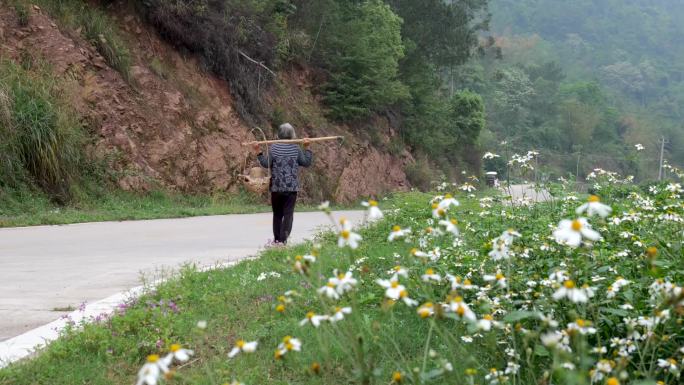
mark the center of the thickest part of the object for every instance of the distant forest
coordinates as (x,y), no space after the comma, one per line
(584,79)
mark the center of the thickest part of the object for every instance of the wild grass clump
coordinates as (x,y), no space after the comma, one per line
(22,10)
(42,141)
(97,27)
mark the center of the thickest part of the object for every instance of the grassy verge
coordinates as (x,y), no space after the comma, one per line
(25,208)
(517,316)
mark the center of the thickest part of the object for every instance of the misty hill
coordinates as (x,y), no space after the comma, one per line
(622,60)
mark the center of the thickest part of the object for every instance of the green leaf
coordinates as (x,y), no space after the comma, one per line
(432,374)
(541,351)
(520,315)
(617,312)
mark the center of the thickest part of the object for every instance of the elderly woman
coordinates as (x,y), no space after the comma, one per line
(284,160)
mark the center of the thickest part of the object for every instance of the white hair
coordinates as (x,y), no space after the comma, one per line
(286,131)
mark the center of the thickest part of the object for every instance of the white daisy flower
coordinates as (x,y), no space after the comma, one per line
(339,314)
(430,275)
(571,292)
(313,319)
(450,226)
(177,353)
(289,344)
(461,309)
(571,232)
(398,232)
(243,346)
(347,236)
(150,372)
(594,206)
(374,212)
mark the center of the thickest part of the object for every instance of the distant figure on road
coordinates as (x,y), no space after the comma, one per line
(284,160)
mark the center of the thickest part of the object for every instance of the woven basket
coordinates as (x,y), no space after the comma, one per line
(256,181)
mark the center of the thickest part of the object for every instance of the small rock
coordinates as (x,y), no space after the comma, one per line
(53,25)
(138,30)
(37,8)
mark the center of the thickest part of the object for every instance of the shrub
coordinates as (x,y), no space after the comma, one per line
(419,174)
(223,34)
(363,49)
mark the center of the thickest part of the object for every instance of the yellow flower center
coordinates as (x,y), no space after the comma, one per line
(441,212)
(345,234)
(340,276)
(652,251)
(470,372)
(594,198)
(569,284)
(424,312)
(280,308)
(396,377)
(394,284)
(460,310)
(338,309)
(298,258)
(499,276)
(315,367)
(672,361)
(467,282)
(310,315)
(428,230)
(576,225)
(286,339)
(581,323)
(434,206)
(282,298)
(414,251)
(396,228)
(454,222)
(278,355)
(372,203)
(448,196)
(403,294)
(240,343)
(429,272)
(397,268)
(612,381)
(458,299)
(152,358)
(175,348)
(488,317)
(289,346)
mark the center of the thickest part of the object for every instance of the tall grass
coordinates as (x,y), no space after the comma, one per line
(42,141)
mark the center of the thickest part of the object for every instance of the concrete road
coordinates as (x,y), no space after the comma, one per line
(45,270)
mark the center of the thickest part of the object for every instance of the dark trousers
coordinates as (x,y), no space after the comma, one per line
(283,204)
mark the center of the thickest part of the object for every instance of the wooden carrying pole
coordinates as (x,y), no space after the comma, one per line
(311,140)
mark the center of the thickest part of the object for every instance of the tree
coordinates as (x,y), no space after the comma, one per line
(362,51)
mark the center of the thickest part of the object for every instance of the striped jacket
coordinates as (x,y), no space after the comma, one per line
(284,160)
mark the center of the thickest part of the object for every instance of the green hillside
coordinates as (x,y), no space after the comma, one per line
(589,78)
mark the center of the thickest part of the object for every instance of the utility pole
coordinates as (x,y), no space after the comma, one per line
(662,152)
